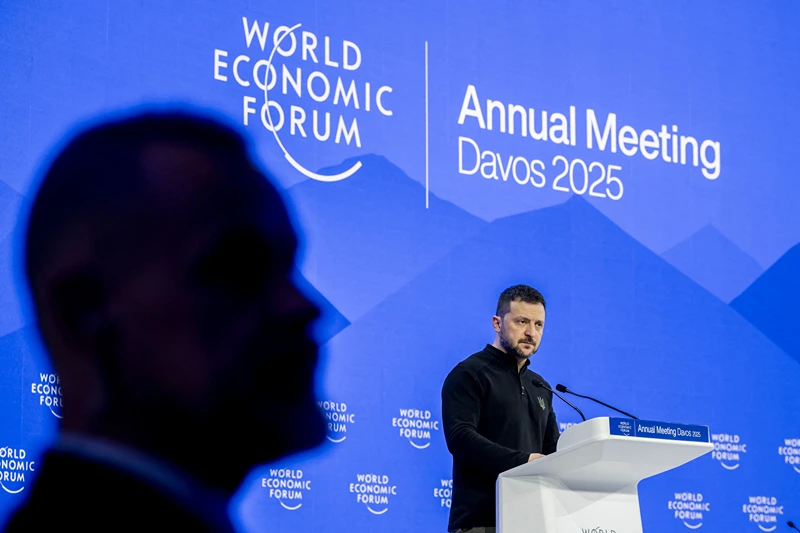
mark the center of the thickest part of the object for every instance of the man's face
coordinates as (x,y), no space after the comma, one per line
(521,329)
(216,333)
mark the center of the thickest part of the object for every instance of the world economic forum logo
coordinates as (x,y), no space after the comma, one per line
(287,486)
(14,465)
(625,427)
(790,451)
(338,418)
(443,493)
(416,425)
(48,392)
(374,491)
(763,511)
(328,77)
(728,450)
(689,508)
(563,426)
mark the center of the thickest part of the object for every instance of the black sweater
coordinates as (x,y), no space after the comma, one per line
(494,418)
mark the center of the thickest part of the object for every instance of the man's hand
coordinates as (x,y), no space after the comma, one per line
(535,456)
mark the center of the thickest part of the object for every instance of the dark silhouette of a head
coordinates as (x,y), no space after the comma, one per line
(160,262)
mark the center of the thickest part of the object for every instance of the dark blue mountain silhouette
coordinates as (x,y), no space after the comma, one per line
(11,315)
(622,323)
(614,307)
(770,303)
(714,262)
(10,202)
(13,346)
(332,321)
(371,233)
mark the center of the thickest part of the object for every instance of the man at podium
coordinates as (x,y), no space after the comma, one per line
(496,414)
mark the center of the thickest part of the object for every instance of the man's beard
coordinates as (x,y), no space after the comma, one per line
(508,346)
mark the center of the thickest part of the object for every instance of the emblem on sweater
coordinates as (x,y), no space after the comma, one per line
(541,402)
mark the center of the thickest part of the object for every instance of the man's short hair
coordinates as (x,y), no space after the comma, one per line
(100,168)
(518,293)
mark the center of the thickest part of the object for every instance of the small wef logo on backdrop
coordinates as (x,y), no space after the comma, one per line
(689,508)
(374,491)
(329,76)
(338,418)
(763,511)
(48,389)
(728,450)
(13,467)
(597,530)
(791,453)
(287,486)
(416,425)
(562,426)
(444,492)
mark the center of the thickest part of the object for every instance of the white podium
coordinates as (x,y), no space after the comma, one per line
(590,484)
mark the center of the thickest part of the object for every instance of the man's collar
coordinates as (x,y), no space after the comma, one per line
(507,359)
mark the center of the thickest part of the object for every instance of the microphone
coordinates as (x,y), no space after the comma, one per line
(791,525)
(545,387)
(564,389)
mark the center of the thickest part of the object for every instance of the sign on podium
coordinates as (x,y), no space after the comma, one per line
(590,484)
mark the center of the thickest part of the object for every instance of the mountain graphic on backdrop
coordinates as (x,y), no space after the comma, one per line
(368,235)
(331,320)
(11,317)
(770,303)
(10,202)
(11,314)
(710,259)
(14,347)
(613,308)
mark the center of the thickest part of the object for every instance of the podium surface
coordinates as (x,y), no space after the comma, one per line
(590,482)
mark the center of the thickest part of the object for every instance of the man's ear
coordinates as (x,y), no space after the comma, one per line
(496,321)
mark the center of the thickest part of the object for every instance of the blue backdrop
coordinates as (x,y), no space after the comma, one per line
(633,161)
